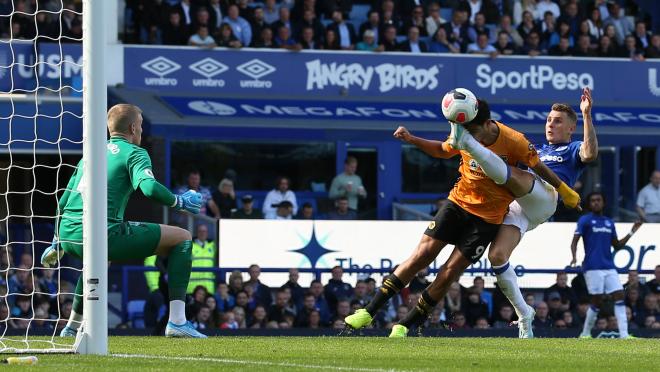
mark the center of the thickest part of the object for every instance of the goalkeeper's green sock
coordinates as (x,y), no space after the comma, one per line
(78,296)
(179,265)
(77,309)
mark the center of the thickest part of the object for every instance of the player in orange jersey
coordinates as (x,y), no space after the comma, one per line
(469,220)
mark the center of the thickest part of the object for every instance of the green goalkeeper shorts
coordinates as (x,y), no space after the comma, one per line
(126,241)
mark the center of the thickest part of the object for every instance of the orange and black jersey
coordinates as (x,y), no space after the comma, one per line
(478,194)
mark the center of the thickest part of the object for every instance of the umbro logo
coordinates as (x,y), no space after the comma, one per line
(161,66)
(256,69)
(208,67)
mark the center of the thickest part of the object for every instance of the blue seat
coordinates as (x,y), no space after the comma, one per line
(318,187)
(135,309)
(359,13)
(445,13)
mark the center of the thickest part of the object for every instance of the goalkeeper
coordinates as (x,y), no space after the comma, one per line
(129,169)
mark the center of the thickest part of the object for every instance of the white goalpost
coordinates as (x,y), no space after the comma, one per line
(26,324)
(94,336)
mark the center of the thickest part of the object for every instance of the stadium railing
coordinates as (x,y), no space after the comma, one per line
(406,212)
(190,221)
(222,272)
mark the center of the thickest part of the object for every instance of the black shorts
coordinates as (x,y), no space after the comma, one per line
(469,233)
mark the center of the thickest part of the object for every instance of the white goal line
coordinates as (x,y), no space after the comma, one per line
(253,362)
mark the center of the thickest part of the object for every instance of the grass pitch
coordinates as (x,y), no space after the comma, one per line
(369,354)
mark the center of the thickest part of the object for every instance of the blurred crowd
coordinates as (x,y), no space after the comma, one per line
(281,203)
(248,303)
(585,28)
(41,20)
(32,296)
(588,28)
(36,298)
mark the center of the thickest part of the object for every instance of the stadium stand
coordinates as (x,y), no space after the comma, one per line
(145,22)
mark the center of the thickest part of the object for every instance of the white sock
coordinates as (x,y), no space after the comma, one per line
(494,167)
(178,312)
(508,283)
(74,321)
(621,319)
(592,315)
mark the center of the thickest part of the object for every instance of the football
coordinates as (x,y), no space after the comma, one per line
(460,106)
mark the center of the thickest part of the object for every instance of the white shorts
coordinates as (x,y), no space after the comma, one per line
(533,209)
(602,281)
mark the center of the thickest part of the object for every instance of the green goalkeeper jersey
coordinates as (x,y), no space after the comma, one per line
(128,166)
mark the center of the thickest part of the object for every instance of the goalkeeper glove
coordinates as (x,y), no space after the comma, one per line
(190,201)
(52,255)
(569,197)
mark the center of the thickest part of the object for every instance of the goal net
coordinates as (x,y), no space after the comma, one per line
(41,141)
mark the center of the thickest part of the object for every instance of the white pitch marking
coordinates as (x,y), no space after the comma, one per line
(252,362)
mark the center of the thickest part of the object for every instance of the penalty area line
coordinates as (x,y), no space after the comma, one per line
(250,362)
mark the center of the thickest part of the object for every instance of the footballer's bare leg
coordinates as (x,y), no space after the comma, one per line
(427,250)
(448,274)
(170,237)
(518,182)
(502,247)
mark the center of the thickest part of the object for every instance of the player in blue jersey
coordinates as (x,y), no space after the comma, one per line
(536,200)
(599,235)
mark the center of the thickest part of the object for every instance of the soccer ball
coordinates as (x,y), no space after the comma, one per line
(460,106)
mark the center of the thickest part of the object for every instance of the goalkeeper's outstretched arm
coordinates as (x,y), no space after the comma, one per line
(142,177)
(190,201)
(155,191)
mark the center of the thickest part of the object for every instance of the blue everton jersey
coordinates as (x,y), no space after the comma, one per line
(597,234)
(563,159)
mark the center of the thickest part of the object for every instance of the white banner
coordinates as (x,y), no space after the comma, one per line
(384,244)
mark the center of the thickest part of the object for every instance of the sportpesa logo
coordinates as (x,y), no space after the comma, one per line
(537,78)
(555,158)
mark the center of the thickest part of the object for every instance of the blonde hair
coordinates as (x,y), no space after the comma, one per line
(225,181)
(121,116)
